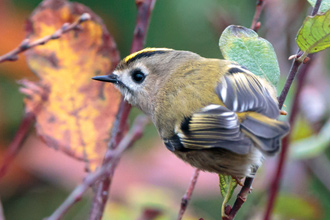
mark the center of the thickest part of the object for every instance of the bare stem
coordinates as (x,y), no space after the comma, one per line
(145,8)
(25,44)
(286,141)
(295,65)
(255,21)
(292,74)
(295,108)
(187,195)
(133,135)
(241,198)
(24,127)
(17,142)
(316,7)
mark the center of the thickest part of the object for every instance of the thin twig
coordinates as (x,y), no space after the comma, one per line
(133,135)
(24,127)
(295,65)
(286,141)
(295,108)
(103,186)
(17,142)
(241,198)
(255,22)
(25,44)
(292,74)
(316,7)
(187,195)
(144,8)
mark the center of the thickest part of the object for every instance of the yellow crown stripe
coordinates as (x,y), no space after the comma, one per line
(145,50)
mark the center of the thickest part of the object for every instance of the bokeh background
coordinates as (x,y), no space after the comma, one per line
(148,175)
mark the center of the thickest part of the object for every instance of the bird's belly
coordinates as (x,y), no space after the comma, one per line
(223,161)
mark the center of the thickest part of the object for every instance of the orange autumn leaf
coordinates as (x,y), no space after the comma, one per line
(79,112)
(11,36)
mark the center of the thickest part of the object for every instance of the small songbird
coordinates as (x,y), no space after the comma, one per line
(214,114)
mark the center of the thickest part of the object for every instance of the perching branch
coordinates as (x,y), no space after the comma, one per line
(241,198)
(187,195)
(292,74)
(286,141)
(255,22)
(26,123)
(145,8)
(295,65)
(295,109)
(25,44)
(245,190)
(133,135)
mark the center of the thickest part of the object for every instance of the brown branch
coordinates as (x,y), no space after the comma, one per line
(144,8)
(241,198)
(133,135)
(243,194)
(316,7)
(294,110)
(24,127)
(295,65)
(187,195)
(286,141)
(255,21)
(25,44)
(17,142)
(292,74)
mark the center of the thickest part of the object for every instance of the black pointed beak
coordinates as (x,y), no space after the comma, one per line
(107,78)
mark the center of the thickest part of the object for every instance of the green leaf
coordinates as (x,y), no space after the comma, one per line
(312,146)
(314,34)
(227,186)
(243,45)
(325,5)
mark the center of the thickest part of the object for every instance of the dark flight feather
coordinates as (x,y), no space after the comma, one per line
(241,91)
(214,127)
(265,132)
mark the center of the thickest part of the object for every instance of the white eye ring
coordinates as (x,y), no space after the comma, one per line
(138,76)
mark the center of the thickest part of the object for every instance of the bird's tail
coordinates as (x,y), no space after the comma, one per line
(265,132)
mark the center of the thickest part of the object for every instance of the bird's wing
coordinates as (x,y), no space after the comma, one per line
(247,118)
(214,126)
(242,91)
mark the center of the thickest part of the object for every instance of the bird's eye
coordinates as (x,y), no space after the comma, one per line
(138,76)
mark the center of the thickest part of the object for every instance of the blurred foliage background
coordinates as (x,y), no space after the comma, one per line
(149,176)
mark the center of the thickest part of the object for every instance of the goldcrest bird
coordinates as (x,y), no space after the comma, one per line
(214,114)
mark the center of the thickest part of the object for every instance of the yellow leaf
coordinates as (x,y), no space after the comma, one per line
(79,112)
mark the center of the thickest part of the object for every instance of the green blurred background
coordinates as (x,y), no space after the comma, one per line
(149,176)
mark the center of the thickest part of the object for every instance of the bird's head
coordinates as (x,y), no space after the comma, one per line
(141,74)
